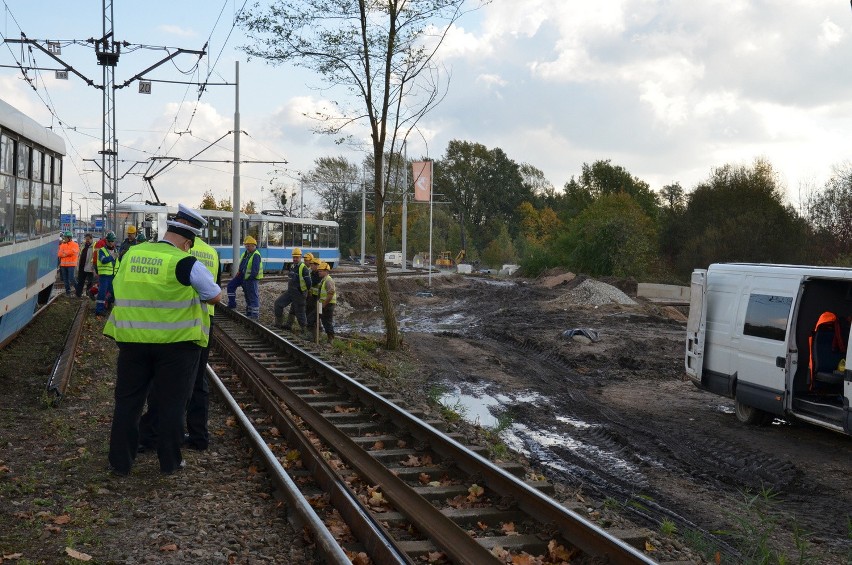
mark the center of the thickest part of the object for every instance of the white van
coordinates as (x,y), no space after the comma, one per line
(393,258)
(776,339)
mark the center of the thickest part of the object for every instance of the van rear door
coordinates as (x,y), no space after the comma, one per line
(696,326)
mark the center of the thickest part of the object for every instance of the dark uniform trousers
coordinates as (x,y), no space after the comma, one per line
(170,368)
(197,410)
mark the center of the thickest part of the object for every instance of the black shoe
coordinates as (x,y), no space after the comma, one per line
(115,472)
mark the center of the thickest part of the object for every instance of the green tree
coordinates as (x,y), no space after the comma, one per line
(602,178)
(739,214)
(612,236)
(484,186)
(208,201)
(382,55)
(500,251)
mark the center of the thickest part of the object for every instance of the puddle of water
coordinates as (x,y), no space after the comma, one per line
(579,424)
(476,406)
(520,435)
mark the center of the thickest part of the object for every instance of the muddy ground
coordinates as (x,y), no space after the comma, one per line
(614,420)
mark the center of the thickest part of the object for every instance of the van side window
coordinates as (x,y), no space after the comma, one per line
(766,316)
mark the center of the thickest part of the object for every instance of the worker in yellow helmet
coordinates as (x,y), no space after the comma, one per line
(298,286)
(247,277)
(128,242)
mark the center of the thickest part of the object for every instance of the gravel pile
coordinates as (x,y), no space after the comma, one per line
(591,292)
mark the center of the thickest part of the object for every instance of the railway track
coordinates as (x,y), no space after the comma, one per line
(367,476)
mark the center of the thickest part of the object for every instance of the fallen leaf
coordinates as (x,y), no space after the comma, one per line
(78,555)
(474,492)
(412,461)
(361,559)
(648,547)
(558,552)
(169,547)
(424,478)
(378,445)
(64,519)
(508,528)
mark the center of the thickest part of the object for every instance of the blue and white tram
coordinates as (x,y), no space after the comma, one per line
(30,201)
(276,234)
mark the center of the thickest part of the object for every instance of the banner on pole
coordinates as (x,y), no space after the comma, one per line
(422,180)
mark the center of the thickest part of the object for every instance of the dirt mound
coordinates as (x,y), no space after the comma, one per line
(554,277)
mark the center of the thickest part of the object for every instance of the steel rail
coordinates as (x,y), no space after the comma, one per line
(457,544)
(581,533)
(305,516)
(60,375)
(363,525)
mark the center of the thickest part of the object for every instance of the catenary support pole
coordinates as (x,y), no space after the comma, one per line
(236,212)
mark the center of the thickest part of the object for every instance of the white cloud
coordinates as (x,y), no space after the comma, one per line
(830,35)
(177,30)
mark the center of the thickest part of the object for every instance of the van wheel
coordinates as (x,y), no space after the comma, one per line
(751,415)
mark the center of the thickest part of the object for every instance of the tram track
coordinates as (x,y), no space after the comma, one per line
(405,489)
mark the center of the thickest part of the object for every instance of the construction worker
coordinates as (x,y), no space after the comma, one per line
(107,264)
(85,266)
(159,325)
(313,293)
(128,242)
(327,298)
(295,296)
(69,254)
(248,274)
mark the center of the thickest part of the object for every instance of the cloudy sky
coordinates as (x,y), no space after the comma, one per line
(668,89)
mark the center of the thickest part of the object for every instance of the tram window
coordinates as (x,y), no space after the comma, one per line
(23,209)
(307,236)
(288,235)
(213,231)
(7,155)
(275,233)
(254,231)
(297,234)
(227,233)
(55,207)
(7,208)
(37,189)
(37,165)
(48,169)
(323,236)
(23,170)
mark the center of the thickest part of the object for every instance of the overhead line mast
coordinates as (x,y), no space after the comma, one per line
(107,52)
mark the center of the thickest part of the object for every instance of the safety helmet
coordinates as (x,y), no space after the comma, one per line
(324,267)
(110,236)
(141,238)
(68,234)
(297,252)
(249,240)
(308,257)
(131,229)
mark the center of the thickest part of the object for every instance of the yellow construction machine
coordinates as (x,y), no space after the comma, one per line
(446,261)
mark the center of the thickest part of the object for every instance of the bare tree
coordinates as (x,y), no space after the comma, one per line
(332,179)
(382,53)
